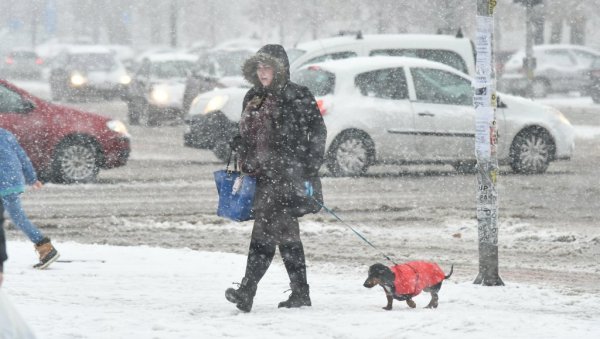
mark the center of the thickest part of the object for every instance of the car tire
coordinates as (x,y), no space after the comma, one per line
(531,151)
(465,166)
(350,154)
(133,113)
(75,161)
(539,88)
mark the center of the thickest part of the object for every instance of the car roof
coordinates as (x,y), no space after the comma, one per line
(365,64)
(161,57)
(87,49)
(373,39)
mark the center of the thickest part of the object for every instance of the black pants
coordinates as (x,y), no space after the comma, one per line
(1,213)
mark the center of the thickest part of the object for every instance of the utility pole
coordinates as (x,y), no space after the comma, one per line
(485,102)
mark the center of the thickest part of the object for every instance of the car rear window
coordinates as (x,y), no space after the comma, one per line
(319,81)
(23,55)
(449,58)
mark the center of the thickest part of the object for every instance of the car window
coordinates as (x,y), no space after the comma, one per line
(558,57)
(449,58)
(171,69)
(294,53)
(331,56)
(384,83)
(10,101)
(318,81)
(584,58)
(441,87)
(93,61)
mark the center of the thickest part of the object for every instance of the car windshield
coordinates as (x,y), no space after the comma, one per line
(93,61)
(318,81)
(171,69)
(294,53)
(223,63)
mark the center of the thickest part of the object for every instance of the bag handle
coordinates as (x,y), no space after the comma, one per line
(235,165)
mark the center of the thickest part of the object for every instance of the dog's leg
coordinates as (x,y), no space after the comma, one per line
(390,299)
(411,303)
(434,300)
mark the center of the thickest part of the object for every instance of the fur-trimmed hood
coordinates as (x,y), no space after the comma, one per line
(273,55)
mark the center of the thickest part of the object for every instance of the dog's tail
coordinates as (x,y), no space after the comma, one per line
(449,274)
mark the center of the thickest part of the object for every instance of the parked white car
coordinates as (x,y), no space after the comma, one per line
(400,110)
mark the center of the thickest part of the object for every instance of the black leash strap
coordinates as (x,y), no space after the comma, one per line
(353,230)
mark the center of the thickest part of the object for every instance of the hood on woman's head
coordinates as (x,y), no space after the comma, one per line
(276,57)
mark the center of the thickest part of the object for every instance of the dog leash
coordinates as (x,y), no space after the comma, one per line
(352,229)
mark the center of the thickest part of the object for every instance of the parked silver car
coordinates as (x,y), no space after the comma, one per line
(560,68)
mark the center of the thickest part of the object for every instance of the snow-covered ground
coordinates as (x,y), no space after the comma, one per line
(144,292)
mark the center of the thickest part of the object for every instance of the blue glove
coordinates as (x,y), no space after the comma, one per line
(308,188)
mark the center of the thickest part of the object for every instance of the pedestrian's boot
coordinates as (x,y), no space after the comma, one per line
(47,253)
(243,296)
(300,296)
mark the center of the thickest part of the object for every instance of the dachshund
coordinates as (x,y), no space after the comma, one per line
(405,281)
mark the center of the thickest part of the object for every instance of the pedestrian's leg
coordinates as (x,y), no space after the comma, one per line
(1,213)
(12,204)
(47,253)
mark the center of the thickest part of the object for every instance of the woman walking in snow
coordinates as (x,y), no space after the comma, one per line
(282,144)
(16,171)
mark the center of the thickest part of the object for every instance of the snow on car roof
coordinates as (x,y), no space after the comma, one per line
(374,38)
(362,64)
(87,49)
(160,57)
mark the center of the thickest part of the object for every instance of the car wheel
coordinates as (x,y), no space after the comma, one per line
(350,154)
(76,161)
(595,94)
(133,113)
(465,166)
(539,88)
(531,151)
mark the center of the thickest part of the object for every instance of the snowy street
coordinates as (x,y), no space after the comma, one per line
(549,243)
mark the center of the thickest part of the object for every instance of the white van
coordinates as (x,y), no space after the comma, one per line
(456,52)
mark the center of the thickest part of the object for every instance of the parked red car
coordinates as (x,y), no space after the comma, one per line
(65,144)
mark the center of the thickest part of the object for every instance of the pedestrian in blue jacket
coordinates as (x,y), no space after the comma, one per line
(16,170)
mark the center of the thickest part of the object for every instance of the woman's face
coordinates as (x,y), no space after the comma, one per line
(265,74)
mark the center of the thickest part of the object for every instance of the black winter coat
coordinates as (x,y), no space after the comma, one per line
(297,143)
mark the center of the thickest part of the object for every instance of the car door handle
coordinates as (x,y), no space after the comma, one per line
(426,114)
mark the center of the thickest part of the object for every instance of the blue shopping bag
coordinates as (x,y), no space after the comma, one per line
(236,195)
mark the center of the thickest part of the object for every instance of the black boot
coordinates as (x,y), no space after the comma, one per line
(300,297)
(259,259)
(243,296)
(294,261)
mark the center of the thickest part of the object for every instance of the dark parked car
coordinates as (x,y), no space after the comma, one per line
(22,63)
(87,71)
(64,144)
(218,68)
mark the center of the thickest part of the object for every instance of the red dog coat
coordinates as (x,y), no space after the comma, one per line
(412,277)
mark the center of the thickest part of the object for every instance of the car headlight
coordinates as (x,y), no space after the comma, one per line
(216,103)
(160,95)
(77,79)
(117,126)
(561,117)
(125,79)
